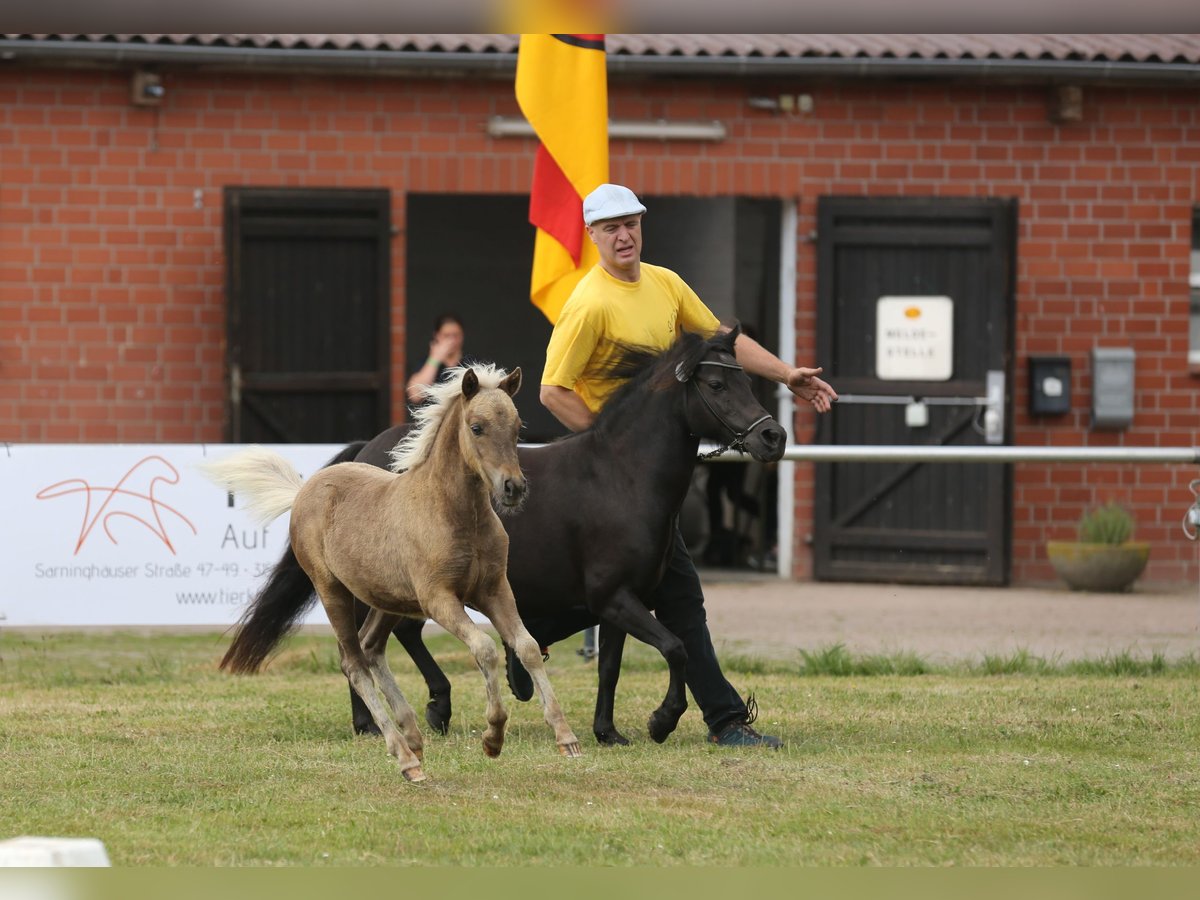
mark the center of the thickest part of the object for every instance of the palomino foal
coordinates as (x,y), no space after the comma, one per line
(422,543)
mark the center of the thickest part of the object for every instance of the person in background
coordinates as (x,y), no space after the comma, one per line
(445,352)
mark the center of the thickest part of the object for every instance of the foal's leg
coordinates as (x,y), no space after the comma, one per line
(612,644)
(339,607)
(502,610)
(447,610)
(626,612)
(373,635)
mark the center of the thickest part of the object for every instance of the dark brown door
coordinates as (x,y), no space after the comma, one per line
(915,522)
(309,287)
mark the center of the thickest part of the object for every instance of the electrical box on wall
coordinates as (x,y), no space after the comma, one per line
(1112,387)
(1049,385)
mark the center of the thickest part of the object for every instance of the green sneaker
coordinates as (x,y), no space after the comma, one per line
(738,733)
(742,734)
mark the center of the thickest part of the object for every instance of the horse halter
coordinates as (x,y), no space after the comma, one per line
(739,437)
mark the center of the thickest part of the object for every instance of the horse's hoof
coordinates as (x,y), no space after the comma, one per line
(492,750)
(414,775)
(611,738)
(570,750)
(660,729)
(437,714)
(368,727)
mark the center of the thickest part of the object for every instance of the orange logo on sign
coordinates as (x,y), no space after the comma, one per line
(913,312)
(110,508)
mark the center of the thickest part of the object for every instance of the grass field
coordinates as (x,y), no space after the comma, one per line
(140,741)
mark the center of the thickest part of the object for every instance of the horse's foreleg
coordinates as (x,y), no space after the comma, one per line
(438,709)
(373,636)
(626,612)
(608,670)
(339,607)
(447,610)
(502,610)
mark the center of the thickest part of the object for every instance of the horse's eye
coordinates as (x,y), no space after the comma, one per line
(716,385)
(477,430)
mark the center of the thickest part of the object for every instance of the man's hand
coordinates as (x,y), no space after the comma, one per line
(804,383)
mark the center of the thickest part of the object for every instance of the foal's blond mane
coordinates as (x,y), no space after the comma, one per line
(416,446)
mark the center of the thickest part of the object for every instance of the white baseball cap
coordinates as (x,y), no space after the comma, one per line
(610,201)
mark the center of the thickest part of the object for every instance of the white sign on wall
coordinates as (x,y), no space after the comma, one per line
(132,535)
(914,338)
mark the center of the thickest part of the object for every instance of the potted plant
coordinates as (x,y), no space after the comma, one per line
(1105,558)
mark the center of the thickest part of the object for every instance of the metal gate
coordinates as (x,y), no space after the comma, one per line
(309,312)
(937,377)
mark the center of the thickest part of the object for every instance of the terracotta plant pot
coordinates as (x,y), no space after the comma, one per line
(1110,568)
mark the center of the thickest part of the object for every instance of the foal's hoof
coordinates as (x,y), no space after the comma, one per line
(414,775)
(610,737)
(570,750)
(437,714)
(492,748)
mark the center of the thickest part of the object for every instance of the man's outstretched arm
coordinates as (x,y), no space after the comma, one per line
(800,380)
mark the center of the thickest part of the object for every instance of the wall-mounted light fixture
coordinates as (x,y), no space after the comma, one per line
(146,88)
(1066,104)
(657,130)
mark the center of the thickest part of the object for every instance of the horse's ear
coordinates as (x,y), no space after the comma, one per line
(734,332)
(470,384)
(512,383)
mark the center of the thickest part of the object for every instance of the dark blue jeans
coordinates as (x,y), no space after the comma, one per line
(678,602)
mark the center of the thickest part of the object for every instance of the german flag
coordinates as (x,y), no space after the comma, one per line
(562,89)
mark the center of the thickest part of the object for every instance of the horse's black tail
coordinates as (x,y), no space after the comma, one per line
(278,608)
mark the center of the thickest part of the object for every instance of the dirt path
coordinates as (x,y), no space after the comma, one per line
(778,618)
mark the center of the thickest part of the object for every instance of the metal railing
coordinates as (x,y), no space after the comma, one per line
(884,453)
(974,454)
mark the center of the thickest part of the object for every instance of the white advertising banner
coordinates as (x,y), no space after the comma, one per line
(127,534)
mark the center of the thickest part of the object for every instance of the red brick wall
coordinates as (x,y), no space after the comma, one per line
(111,265)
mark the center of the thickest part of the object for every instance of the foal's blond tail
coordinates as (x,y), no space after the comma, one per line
(267,481)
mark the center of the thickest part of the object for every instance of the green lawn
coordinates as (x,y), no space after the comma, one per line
(141,742)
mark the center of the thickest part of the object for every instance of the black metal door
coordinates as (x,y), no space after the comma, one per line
(309,287)
(915,522)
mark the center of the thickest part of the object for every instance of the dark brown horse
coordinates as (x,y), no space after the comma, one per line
(593,539)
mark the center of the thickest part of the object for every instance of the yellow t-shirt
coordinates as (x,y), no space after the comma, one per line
(602,310)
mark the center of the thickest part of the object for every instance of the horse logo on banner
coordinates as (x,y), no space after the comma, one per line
(133,497)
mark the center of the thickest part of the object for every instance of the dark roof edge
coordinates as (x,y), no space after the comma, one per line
(399,62)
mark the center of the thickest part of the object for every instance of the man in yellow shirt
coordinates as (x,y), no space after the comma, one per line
(625,300)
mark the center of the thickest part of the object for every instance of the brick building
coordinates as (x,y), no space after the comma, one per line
(173,207)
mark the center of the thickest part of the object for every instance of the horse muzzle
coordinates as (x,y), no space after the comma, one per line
(766,442)
(512,496)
